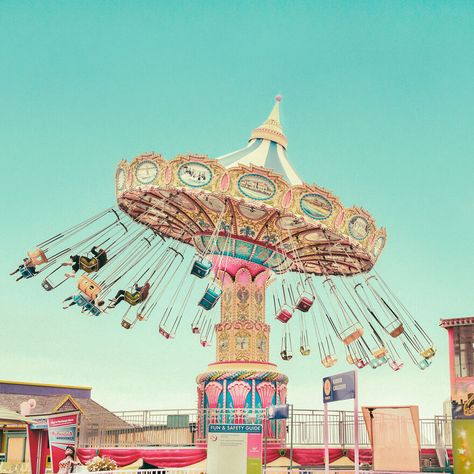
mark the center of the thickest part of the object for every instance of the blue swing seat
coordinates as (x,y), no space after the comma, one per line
(26,273)
(201,268)
(424,363)
(80,300)
(210,298)
(95,311)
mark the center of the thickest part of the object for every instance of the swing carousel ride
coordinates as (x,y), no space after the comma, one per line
(201,231)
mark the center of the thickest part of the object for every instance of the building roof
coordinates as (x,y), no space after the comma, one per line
(10,416)
(90,409)
(34,388)
(266,148)
(453,322)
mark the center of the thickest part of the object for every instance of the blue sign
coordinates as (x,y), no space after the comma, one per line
(230,428)
(339,387)
(278,412)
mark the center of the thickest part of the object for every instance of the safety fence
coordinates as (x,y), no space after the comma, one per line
(189,428)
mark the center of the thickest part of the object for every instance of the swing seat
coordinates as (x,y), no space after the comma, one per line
(374,363)
(47,285)
(428,353)
(26,273)
(140,317)
(284,315)
(304,304)
(395,328)
(95,311)
(80,300)
(89,265)
(165,333)
(380,352)
(126,324)
(329,361)
(352,333)
(210,298)
(394,365)
(201,268)
(285,355)
(37,256)
(205,343)
(360,363)
(132,298)
(195,329)
(89,287)
(305,350)
(424,363)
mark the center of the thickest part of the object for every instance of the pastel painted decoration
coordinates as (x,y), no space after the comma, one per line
(201,268)
(210,298)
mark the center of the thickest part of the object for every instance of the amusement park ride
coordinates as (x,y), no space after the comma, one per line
(240,223)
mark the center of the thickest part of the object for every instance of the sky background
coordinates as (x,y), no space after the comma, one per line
(378,106)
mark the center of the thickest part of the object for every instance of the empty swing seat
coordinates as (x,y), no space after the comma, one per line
(140,317)
(25,272)
(394,365)
(428,353)
(374,363)
(360,363)
(380,352)
(395,328)
(126,324)
(37,256)
(424,363)
(329,361)
(47,285)
(285,355)
(210,298)
(352,333)
(195,329)
(305,350)
(304,304)
(284,315)
(80,300)
(204,343)
(89,287)
(201,268)
(164,333)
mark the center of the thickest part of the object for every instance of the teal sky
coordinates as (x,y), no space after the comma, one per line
(378,106)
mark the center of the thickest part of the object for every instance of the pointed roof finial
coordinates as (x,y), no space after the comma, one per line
(271,128)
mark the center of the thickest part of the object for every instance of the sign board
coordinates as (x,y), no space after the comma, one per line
(62,432)
(339,387)
(234,449)
(278,412)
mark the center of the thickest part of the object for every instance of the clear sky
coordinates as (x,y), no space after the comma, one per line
(378,106)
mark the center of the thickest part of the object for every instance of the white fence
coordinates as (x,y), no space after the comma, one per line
(187,428)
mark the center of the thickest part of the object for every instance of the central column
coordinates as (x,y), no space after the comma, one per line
(242,381)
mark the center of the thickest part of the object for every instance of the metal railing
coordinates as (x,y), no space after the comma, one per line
(188,428)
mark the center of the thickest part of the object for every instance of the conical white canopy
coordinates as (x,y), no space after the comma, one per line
(266,148)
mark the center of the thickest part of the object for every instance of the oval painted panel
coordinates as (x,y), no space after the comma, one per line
(194,174)
(316,206)
(256,186)
(378,246)
(251,212)
(359,227)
